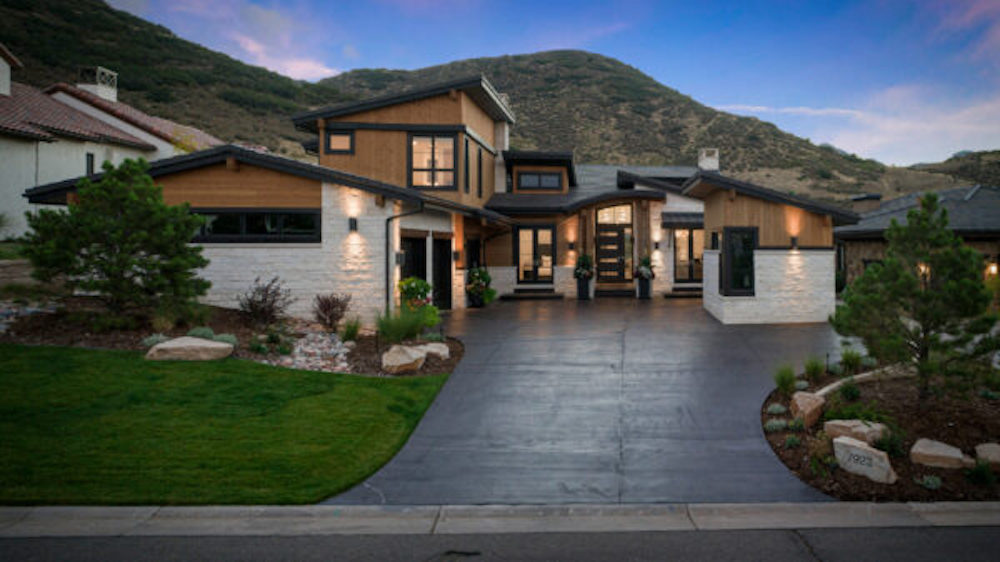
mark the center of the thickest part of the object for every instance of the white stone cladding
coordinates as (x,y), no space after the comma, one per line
(663,258)
(789,286)
(503,278)
(563,280)
(437,221)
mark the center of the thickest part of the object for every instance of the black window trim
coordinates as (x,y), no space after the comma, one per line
(279,238)
(90,164)
(331,132)
(725,286)
(466,179)
(434,169)
(517,248)
(521,175)
(479,173)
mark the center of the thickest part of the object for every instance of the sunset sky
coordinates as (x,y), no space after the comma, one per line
(900,81)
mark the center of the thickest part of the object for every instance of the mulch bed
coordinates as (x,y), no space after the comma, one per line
(366,357)
(961,421)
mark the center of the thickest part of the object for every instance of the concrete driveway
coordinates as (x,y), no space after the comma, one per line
(610,401)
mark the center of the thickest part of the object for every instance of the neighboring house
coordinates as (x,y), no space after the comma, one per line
(973,213)
(53,135)
(425,184)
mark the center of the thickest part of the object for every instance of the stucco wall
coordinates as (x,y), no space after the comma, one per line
(164,149)
(789,286)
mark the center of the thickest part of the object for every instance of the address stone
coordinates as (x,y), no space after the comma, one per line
(857,457)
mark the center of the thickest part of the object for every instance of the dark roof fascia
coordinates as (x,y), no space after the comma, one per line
(307,120)
(540,158)
(570,206)
(840,216)
(876,234)
(311,146)
(867,197)
(14,62)
(672,219)
(448,205)
(26,134)
(630,179)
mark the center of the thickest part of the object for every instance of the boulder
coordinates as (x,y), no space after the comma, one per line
(937,454)
(402,359)
(189,349)
(807,406)
(858,457)
(435,348)
(989,452)
(869,432)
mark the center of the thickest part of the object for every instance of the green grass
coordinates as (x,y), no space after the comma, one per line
(106,427)
(10,251)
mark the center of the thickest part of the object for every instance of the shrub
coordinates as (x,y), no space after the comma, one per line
(350,330)
(981,475)
(260,347)
(891,443)
(414,292)
(405,324)
(792,441)
(814,368)
(776,409)
(203,332)
(121,243)
(849,391)
(851,360)
(330,309)
(284,348)
(227,338)
(162,323)
(150,341)
(801,384)
(856,411)
(478,286)
(868,362)
(584,267)
(784,379)
(989,394)
(434,336)
(771,426)
(264,304)
(929,481)
(798,424)
(836,370)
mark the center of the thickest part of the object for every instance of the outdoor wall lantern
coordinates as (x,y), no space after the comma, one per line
(795,242)
(572,245)
(656,245)
(352,223)
(456,255)
(400,258)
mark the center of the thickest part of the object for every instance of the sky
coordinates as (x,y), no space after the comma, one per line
(899,81)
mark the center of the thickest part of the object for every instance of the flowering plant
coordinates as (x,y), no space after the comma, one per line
(415,292)
(478,285)
(645,269)
(584,267)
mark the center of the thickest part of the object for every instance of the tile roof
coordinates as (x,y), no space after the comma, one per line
(29,113)
(190,137)
(971,210)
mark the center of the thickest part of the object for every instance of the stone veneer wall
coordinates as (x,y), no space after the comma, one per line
(789,286)
(563,280)
(503,278)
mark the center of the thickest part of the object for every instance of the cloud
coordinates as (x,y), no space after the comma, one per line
(298,68)
(795,110)
(575,37)
(977,20)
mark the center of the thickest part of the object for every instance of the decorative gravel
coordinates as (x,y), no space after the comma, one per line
(316,351)
(11,311)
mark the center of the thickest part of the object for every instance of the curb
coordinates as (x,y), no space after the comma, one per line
(67,521)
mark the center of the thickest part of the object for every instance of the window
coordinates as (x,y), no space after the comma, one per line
(340,142)
(737,277)
(539,180)
(468,172)
(479,173)
(432,161)
(90,163)
(259,226)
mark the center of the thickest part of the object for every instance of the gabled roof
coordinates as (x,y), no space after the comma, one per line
(971,210)
(29,113)
(8,56)
(477,87)
(540,158)
(55,193)
(189,137)
(704,183)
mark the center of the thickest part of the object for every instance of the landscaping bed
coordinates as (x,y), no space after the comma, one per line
(962,420)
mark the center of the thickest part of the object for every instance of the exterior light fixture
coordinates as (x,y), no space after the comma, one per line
(400,258)
(456,255)
(656,245)
(992,269)
(795,242)
(352,223)
(572,245)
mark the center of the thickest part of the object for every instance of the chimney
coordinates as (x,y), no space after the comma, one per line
(8,62)
(866,202)
(708,159)
(99,81)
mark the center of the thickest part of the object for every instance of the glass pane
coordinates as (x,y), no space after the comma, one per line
(627,253)
(682,258)
(544,256)
(299,224)
(698,251)
(222,223)
(621,214)
(551,181)
(261,224)
(444,152)
(740,247)
(529,181)
(422,153)
(525,255)
(444,179)
(422,179)
(340,141)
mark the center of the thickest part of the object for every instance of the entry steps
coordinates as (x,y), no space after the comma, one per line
(684,292)
(532,294)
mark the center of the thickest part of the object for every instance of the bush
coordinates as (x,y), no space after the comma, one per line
(203,332)
(856,411)
(801,384)
(798,424)
(351,329)
(227,338)
(264,304)
(150,341)
(814,368)
(792,441)
(478,286)
(851,360)
(929,481)
(330,309)
(434,336)
(414,292)
(868,362)
(849,391)
(120,242)
(776,409)
(836,370)
(260,347)
(981,475)
(771,426)
(404,325)
(162,323)
(284,348)
(784,380)
(891,443)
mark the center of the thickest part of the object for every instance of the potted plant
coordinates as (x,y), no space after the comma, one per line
(478,287)
(644,273)
(583,272)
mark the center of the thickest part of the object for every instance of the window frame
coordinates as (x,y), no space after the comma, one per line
(479,173)
(202,238)
(725,262)
(90,164)
(520,183)
(434,136)
(467,179)
(330,132)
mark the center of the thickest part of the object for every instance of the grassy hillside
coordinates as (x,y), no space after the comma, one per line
(602,109)
(975,167)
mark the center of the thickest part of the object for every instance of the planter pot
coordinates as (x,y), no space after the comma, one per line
(644,285)
(583,289)
(476,301)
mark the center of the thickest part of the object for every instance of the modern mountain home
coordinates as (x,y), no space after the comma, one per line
(425,184)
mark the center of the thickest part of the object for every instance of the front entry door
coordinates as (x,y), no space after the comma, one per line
(535,254)
(441,290)
(610,253)
(689,246)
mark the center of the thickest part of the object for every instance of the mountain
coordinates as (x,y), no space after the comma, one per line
(602,109)
(975,167)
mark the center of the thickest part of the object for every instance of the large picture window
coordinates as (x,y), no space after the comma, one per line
(737,277)
(539,180)
(432,161)
(259,226)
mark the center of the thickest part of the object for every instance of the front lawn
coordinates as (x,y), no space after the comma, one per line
(84,426)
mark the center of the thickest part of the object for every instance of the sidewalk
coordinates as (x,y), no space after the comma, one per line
(58,521)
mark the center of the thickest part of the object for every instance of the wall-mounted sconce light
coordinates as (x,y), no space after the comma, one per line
(456,255)
(656,245)
(992,269)
(795,242)
(400,258)
(352,223)
(572,245)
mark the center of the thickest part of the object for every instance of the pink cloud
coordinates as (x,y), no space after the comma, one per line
(296,67)
(978,18)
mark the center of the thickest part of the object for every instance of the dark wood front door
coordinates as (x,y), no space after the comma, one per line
(441,291)
(414,257)
(611,252)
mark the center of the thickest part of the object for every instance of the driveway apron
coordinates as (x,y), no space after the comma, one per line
(609,401)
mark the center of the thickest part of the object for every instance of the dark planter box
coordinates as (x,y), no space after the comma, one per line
(583,289)
(644,288)
(476,301)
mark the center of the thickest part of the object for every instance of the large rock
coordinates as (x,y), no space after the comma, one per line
(989,452)
(869,432)
(857,457)
(807,406)
(435,348)
(189,349)
(941,455)
(402,359)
